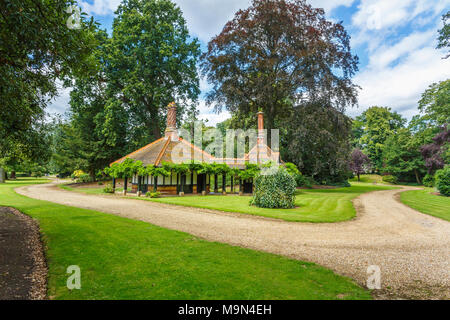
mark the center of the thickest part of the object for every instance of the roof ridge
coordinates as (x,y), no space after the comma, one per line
(161,153)
(134,152)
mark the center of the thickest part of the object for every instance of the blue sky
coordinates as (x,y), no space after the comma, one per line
(394,39)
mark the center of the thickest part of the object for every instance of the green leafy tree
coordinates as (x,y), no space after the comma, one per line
(103,134)
(444,34)
(37,48)
(151,61)
(66,145)
(29,151)
(379,123)
(435,102)
(402,157)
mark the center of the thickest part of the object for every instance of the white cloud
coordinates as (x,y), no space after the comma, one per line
(401,86)
(384,55)
(100,7)
(60,104)
(206,18)
(381,14)
(330,5)
(207,114)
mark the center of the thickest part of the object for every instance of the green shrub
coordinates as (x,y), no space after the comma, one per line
(108,189)
(344,184)
(274,191)
(153,194)
(84,178)
(36,174)
(390,179)
(304,181)
(428,181)
(442,181)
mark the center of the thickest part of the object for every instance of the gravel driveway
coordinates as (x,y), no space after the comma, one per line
(411,249)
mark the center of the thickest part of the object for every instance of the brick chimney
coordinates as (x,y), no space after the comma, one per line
(171,128)
(261,127)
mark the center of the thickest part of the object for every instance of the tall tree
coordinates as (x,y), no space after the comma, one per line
(401,154)
(318,142)
(91,116)
(66,145)
(277,54)
(378,123)
(444,34)
(152,61)
(37,48)
(435,102)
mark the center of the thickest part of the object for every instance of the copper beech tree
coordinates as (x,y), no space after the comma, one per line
(277,54)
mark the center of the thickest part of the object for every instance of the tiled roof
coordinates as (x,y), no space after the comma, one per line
(164,149)
(168,150)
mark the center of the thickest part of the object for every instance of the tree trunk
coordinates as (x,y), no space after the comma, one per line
(2,175)
(358,177)
(155,184)
(417,176)
(114,184)
(216,187)
(13,175)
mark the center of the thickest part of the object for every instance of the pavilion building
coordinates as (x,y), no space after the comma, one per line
(173,149)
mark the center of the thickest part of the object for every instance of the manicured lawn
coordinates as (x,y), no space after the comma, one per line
(428,203)
(318,205)
(369,178)
(96,190)
(126,259)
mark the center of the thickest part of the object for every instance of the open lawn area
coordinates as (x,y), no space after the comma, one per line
(127,259)
(312,205)
(428,203)
(315,205)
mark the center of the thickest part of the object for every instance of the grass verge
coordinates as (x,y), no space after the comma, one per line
(428,203)
(318,205)
(127,259)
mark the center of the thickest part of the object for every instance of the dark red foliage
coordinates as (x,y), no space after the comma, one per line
(359,162)
(433,153)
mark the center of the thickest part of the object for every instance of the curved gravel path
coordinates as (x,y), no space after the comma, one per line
(411,249)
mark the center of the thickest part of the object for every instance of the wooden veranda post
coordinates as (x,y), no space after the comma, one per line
(139,191)
(224,184)
(182,185)
(125,186)
(232,185)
